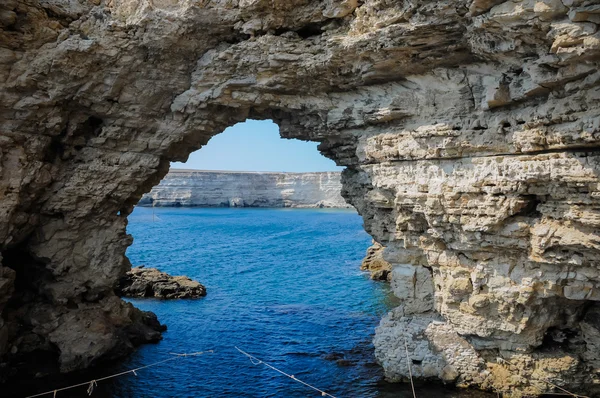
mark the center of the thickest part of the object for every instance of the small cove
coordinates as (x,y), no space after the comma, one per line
(283,285)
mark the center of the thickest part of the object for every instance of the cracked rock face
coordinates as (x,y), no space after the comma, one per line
(469,129)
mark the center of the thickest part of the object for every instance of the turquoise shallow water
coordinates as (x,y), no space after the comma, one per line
(283,284)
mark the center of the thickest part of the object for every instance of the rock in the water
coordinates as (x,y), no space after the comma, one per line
(88,333)
(150,282)
(375,263)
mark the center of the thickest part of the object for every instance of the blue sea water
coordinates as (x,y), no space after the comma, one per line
(283,285)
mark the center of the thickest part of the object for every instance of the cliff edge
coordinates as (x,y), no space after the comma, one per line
(203,188)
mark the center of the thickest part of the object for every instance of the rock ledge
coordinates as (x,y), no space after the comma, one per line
(150,282)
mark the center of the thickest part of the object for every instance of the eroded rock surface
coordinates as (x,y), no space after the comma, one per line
(150,282)
(469,129)
(374,262)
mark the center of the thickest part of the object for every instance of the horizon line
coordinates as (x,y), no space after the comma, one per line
(249,172)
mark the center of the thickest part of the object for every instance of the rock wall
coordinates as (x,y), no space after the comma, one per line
(469,130)
(246,189)
(374,262)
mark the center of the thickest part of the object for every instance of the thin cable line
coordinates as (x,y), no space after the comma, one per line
(566,392)
(93,383)
(412,385)
(256,361)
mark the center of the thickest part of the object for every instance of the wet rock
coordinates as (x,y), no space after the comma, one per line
(344,362)
(150,282)
(333,356)
(81,335)
(52,338)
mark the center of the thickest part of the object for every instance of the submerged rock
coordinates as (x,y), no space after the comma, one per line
(150,282)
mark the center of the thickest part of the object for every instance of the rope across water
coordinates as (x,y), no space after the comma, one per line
(94,383)
(256,361)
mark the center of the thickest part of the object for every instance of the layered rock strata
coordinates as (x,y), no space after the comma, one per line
(246,189)
(469,130)
(150,282)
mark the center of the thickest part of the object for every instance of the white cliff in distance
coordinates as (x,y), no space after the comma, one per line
(201,188)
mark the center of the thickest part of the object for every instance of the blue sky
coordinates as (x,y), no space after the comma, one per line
(255,145)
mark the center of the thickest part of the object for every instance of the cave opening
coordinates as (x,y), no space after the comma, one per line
(250,165)
(282,274)
(256,145)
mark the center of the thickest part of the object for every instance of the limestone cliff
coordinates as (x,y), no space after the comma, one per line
(375,263)
(246,189)
(469,130)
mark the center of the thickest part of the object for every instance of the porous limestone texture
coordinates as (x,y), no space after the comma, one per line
(374,262)
(246,189)
(150,282)
(469,130)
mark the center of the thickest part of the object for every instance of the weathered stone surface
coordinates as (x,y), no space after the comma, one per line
(79,334)
(246,189)
(413,284)
(150,282)
(375,263)
(82,336)
(435,350)
(469,131)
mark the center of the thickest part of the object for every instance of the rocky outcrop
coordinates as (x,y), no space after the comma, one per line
(150,282)
(374,262)
(469,131)
(246,189)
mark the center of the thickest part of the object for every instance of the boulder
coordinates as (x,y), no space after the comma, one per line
(150,282)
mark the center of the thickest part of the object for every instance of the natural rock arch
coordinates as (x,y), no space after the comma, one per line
(468,129)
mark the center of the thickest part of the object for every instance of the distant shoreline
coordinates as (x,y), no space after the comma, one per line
(342,209)
(174,171)
(214,188)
